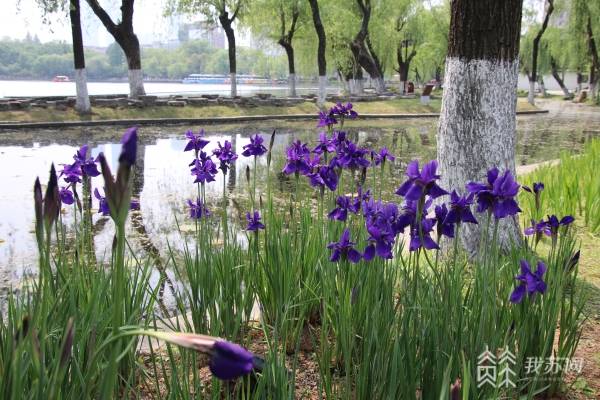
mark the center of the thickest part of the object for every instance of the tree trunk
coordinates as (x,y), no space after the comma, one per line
(131,46)
(558,78)
(535,51)
(477,126)
(362,50)
(125,36)
(404,67)
(542,86)
(289,51)
(82,104)
(322,46)
(595,66)
(230,34)
(531,94)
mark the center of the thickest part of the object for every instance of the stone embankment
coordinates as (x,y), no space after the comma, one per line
(122,101)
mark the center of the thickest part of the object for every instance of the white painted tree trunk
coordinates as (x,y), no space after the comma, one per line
(359,87)
(233,79)
(322,89)
(542,88)
(531,95)
(136,83)
(350,85)
(593,90)
(82,103)
(379,84)
(402,87)
(477,131)
(566,92)
(292,85)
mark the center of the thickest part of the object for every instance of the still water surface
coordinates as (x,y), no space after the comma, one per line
(164,183)
(48,88)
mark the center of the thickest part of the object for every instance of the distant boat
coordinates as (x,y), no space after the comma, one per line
(223,79)
(205,78)
(60,78)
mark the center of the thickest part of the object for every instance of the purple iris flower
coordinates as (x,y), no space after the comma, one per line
(531,282)
(326,119)
(134,204)
(424,228)
(230,361)
(381,225)
(88,165)
(71,173)
(443,227)
(382,156)
(66,196)
(344,204)
(102,203)
(195,142)
(352,157)
(409,214)
(255,147)
(460,209)
(420,184)
(204,169)
(553,223)
(198,210)
(298,159)
(324,176)
(325,145)
(498,195)
(225,155)
(344,111)
(254,223)
(344,249)
(537,188)
(129,146)
(339,140)
(538,228)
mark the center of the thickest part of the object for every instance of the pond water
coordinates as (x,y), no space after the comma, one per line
(49,88)
(163,182)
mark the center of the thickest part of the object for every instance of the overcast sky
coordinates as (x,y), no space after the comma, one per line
(20,17)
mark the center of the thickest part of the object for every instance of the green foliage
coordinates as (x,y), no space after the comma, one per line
(572,186)
(30,59)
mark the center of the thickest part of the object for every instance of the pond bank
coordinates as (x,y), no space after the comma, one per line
(211,120)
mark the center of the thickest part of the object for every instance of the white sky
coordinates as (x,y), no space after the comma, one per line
(19,17)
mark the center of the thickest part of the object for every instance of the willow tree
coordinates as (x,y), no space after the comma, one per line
(223,12)
(82,102)
(477,126)
(408,36)
(126,38)
(279,20)
(362,47)
(532,69)
(321,49)
(584,23)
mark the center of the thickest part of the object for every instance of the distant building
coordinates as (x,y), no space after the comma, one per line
(202,30)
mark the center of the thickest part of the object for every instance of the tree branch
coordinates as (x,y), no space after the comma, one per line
(103,16)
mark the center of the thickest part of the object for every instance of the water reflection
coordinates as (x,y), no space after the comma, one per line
(163,181)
